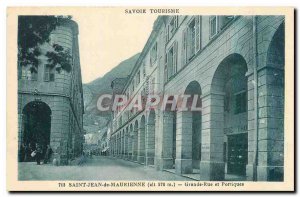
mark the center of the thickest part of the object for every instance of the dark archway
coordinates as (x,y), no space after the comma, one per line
(194,90)
(36,128)
(230,80)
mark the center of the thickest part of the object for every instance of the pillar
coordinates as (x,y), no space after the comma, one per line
(164,157)
(212,167)
(122,144)
(150,143)
(251,166)
(134,145)
(141,145)
(129,146)
(270,124)
(184,132)
(125,155)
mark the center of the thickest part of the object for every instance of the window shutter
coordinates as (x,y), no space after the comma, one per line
(184,47)
(170,64)
(188,44)
(197,37)
(166,67)
(175,58)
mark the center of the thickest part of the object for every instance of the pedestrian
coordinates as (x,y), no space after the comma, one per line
(48,154)
(22,153)
(29,151)
(81,159)
(26,153)
(38,154)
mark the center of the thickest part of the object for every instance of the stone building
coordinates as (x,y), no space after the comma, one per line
(50,101)
(236,65)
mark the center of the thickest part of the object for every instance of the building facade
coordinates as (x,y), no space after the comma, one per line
(235,64)
(50,101)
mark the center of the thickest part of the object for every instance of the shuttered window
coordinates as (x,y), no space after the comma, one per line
(49,74)
(198,33)
(191,39)
(224,20)
(213,26)
(153,54)
(172,26)
(172,56)
(184,47)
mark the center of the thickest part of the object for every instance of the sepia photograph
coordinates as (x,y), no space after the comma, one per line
(150,99)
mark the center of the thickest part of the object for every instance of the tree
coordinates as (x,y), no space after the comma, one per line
(33,31)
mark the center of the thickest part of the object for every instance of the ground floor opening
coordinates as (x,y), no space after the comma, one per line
(36,128)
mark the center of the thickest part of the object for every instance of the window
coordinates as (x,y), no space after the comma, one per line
(138,78)
(213,26)
(217,23)
(224,20)
(184,47)
(191,40)
(132,85)
(172,26)
(240,102)
(166,72)
(48,74)
(144,70)
(153,54)
(172,60)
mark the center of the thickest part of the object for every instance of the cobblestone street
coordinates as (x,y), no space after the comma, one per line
(97,168)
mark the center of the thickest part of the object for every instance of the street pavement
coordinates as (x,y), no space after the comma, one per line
(100,168)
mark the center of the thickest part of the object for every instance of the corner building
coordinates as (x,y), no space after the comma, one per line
(50,101)
(236,65)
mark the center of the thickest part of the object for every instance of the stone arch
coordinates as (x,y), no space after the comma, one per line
(28,99)
(225,119)
(35,127)
(141,140)
(228,65)
(194,90)
(188,131)
(275,52)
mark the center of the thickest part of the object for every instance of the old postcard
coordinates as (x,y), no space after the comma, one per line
(150,99)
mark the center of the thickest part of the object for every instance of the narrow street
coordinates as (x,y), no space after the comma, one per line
(97,168)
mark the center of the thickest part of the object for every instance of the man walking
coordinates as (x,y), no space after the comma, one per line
(38,154)
(48,154)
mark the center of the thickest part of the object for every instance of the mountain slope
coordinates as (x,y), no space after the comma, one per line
(100,86)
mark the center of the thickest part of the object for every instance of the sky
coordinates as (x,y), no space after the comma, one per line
(107,38)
